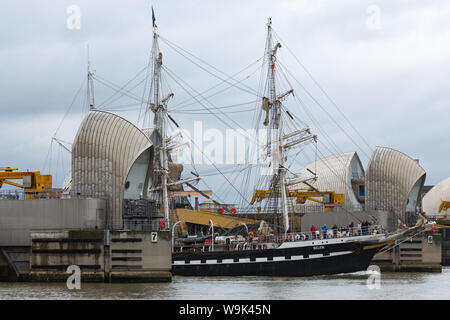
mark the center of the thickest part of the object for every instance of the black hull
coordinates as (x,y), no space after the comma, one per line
(290,262)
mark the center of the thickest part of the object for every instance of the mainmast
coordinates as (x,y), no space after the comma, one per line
(276,149)
(279,143)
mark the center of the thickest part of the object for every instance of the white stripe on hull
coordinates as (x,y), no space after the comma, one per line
(247,260)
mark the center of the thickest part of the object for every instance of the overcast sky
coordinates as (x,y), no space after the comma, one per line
(385,63)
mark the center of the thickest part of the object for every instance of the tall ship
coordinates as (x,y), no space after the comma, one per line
(279,251)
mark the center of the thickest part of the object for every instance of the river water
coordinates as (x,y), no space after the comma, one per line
(350,286)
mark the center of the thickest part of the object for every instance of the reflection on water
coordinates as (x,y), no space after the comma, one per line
(348,286)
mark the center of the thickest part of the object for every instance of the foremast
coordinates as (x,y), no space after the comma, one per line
(159,107)
(166,143)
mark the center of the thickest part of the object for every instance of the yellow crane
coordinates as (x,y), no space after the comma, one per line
(443,221)
(33,182)
(329,199)
(444,205)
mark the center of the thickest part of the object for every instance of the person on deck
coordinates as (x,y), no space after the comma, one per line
(324,231)
(335,228)
(313,232)
(365,227)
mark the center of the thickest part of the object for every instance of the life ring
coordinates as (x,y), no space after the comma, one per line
(233,210)
(297,237)
(220,210)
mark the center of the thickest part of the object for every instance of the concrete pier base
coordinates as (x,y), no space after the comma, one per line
(58,276)
(7,272)
(419,254)
(420,267)
(102,256)
(140,276)
(112,277)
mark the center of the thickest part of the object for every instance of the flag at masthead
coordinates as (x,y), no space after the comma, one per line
(153,18)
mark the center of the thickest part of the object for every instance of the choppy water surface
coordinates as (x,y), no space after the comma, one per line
(350,286)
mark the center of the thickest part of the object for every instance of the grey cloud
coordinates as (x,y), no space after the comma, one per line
(391,83)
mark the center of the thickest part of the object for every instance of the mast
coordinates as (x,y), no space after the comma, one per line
(276,149)
(277,142)
(159,107)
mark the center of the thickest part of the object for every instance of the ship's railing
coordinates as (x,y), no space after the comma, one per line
(321,234)
(261,242)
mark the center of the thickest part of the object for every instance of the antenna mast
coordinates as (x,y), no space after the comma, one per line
(90,83)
